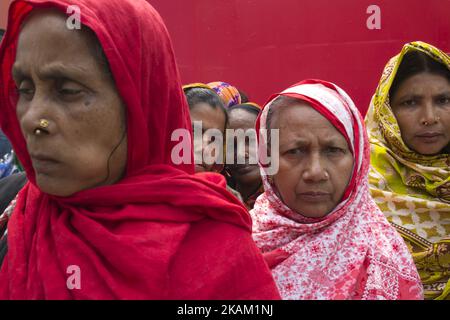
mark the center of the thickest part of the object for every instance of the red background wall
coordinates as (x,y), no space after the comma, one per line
(263,46)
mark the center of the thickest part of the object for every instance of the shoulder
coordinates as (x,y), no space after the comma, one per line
(390,272)
(389,257)
(9,187)
(384,240)
(218,260)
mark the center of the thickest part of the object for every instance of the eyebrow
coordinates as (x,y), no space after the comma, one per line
(54,71)
(419,96)
(410,95)
(333,141)
(445,93)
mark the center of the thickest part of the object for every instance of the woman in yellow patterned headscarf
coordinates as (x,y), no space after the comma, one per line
(409,130)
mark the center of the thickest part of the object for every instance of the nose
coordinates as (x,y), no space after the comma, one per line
(212,148)
(429,115)
(240,152)
(198,149)
(315,170)
(34,116)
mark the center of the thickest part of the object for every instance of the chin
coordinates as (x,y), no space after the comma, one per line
(54,192)
(53,188)
(429,152)
(314,213)
(200,169)
(248,177)
(248,180)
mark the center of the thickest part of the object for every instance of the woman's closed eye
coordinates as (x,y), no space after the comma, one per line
(25,89)
(296,151)
(68,90)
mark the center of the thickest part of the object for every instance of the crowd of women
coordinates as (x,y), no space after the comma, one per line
(358,209)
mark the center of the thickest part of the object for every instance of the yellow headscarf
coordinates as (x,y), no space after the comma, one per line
(412,190)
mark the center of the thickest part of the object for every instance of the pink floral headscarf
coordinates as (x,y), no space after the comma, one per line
(353,252)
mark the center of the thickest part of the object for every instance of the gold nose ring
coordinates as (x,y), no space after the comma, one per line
(43,123)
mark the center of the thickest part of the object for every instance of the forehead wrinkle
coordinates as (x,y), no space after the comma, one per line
(329,134)
(60,70)
(330,138)
(74,59)
(420,81)
(53,70)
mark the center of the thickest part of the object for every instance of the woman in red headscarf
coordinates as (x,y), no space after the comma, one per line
(321,232)
(106,213)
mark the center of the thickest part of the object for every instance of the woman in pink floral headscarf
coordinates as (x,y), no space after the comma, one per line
(319,229)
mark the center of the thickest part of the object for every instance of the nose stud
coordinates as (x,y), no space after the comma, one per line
(426,123)
(43,124)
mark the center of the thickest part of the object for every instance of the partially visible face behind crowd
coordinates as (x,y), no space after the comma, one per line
(63,83)
(246,176)
(211,117)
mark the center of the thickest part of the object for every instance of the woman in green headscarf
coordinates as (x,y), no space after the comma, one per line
(409,130)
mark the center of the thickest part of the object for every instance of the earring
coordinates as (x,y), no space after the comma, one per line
(270,179)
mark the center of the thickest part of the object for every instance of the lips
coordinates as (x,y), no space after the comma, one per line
(43,163)
(429,137)
(429,134)
(243,169)
(200,168)
(314,196)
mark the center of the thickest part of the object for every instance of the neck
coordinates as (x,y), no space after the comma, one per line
(247,190)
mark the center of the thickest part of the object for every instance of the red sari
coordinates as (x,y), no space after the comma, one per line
(160,232)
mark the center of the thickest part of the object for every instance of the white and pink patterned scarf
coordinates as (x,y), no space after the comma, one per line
(352,253)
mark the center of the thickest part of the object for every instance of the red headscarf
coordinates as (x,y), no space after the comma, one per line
(353,252)
(159,233)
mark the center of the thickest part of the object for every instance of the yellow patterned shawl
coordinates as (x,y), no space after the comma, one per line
(412,190)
